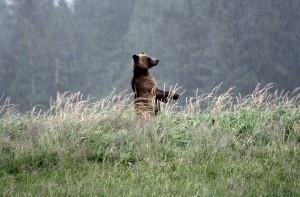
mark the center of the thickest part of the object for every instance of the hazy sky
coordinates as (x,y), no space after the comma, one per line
(69,1)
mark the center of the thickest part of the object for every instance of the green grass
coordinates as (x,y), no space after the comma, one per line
(221,145)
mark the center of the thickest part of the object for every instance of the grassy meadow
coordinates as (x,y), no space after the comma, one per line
(213,145)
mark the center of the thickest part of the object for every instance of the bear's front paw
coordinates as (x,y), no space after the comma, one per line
(176,96)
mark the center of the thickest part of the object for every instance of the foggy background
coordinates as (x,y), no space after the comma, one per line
(50,46)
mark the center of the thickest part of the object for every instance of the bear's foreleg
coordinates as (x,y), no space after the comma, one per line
(165,95)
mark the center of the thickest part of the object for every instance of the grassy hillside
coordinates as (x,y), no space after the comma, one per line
(221,145)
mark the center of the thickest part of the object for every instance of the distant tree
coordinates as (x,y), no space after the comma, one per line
(193,35)
(262,44)
(4,14)
(238,43)
(34,46)
(100,28)
(60,47)
(5,71)
(21,56)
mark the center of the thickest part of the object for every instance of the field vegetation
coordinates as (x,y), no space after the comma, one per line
(217,144)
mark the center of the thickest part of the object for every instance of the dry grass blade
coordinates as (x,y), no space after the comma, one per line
(261,97)
(7,108)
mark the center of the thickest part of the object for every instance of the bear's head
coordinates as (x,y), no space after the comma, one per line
(144,61)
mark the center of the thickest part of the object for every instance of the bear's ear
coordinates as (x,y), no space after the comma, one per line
(142,52)
(135,58)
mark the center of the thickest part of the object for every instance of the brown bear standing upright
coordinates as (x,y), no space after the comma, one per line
(147,95)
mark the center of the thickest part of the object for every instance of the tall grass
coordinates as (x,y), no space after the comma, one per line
(214,145)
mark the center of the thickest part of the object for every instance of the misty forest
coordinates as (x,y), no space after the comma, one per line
(51,46)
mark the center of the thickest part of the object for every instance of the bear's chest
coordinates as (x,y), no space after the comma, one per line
(143,83)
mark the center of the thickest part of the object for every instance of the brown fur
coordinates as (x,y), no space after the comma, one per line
(147,95)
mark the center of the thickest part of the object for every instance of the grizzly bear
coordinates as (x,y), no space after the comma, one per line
(147,96)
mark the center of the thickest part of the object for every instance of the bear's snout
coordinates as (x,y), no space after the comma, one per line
(156,62)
